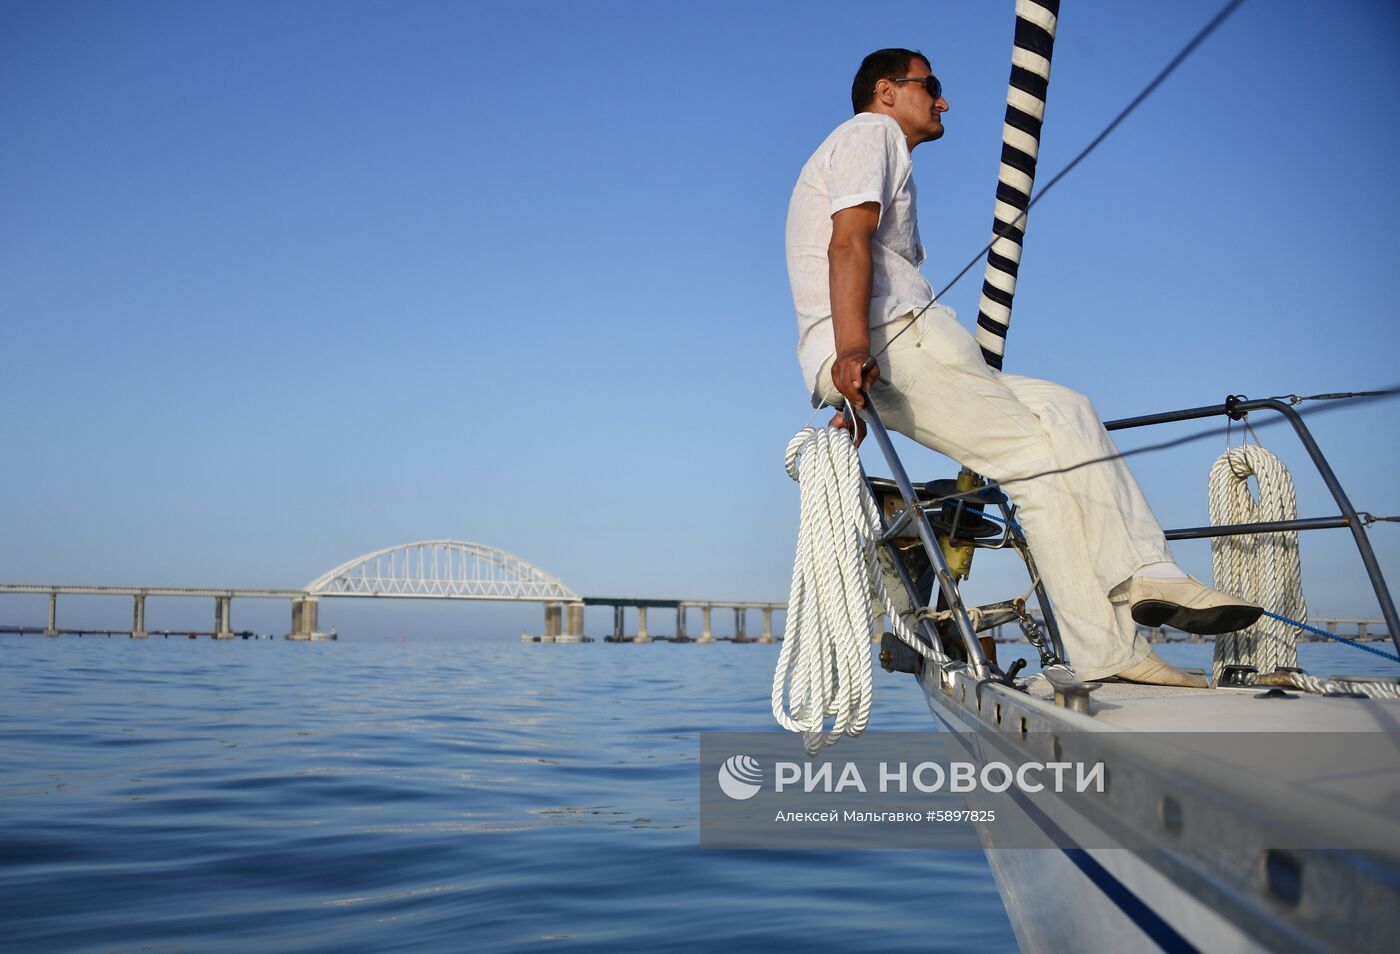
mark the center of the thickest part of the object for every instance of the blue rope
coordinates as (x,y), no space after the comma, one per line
(1283,619)
(1010,523)
(1323,632)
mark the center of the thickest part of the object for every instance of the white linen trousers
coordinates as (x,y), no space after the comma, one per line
(1089,528)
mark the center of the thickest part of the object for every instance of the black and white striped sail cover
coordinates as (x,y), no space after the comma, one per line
(1020,145)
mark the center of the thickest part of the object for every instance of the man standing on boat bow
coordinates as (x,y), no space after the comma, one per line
(864,331)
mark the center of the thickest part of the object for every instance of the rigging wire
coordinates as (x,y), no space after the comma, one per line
(1185,439)
(1040,193)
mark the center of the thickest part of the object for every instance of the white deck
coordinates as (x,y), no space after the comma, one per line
(1165,709)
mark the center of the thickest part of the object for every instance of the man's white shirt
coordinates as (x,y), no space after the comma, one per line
(865,159)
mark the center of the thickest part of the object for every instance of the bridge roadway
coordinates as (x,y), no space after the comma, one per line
(572,631)
(428,569)
(303,604)
(66,589)
(304,619)
(304,609)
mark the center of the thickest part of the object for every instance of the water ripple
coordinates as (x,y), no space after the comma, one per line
(192,795)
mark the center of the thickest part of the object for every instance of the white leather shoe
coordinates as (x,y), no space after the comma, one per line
(1189,605)
(1153,670)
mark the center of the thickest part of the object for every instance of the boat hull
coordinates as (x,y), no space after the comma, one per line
(1219,886)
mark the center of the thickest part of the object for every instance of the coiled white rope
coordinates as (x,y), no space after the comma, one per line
(1307,683)
(837,588)
(1263,568)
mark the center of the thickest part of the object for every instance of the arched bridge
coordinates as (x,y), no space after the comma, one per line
(442,569)
(430,569)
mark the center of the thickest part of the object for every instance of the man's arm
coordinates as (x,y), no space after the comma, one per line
(848,258)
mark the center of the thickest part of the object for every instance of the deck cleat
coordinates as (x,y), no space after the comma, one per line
(1237,677)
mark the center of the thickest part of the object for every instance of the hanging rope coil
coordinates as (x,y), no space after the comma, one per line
(1263,568)
(837,591)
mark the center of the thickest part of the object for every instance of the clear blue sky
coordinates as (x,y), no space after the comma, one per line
(283,283)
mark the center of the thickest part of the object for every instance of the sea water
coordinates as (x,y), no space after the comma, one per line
(425,795)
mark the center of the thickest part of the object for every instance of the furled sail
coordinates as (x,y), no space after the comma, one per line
(1020,146)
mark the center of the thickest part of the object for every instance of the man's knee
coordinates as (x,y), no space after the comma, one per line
(1083,407)
(1072,406)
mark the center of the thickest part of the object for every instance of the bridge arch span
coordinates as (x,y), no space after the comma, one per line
(442,569)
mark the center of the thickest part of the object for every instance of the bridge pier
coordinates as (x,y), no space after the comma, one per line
(740,618)
(767,636)
(642,636)
(573,624)
(52,629)
(138,617)
(705,635)
(222,629)
(304,617)
(681,637)
(552,622)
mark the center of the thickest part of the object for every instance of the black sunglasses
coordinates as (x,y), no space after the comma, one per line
(935,88)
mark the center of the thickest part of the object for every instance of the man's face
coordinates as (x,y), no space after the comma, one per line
(918,113)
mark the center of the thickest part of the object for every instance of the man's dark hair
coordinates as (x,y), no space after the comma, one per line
(882,64)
